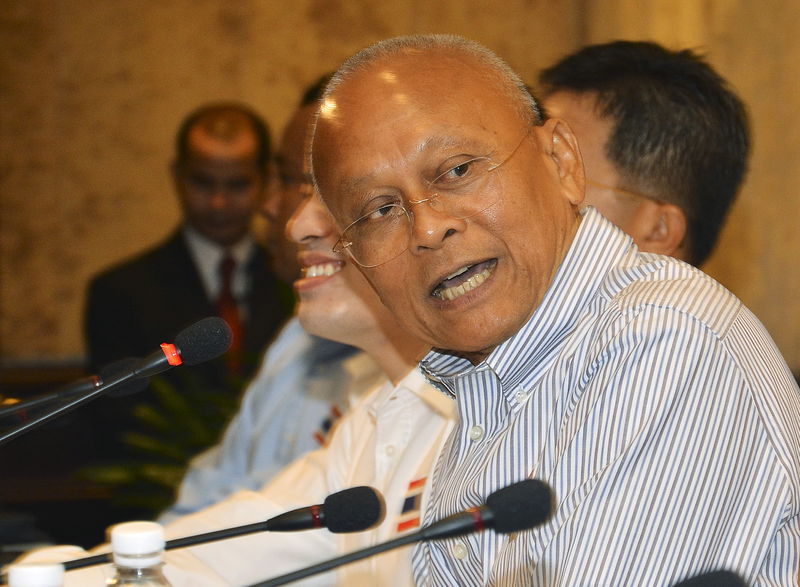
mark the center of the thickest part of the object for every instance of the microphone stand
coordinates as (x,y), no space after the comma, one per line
(175,543)
(62,409)
(470,520)
(81,387)
(341,560)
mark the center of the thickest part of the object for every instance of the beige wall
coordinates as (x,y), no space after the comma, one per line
(92,92)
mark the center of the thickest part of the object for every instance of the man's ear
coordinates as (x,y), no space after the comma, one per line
(665,230)
(562,147)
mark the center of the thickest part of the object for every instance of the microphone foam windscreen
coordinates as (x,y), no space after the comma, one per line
(520,506)
(120,368)
(714,579)
(204,340)
(353,510)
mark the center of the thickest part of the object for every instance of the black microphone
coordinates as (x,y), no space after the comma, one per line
(713,579)
(520,506)
(202,341)
(350,510)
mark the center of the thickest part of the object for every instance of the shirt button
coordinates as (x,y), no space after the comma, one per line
(476,433)
(389,450)
(459,551)
(521,395)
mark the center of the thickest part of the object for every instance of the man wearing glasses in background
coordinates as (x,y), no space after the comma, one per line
(664,141)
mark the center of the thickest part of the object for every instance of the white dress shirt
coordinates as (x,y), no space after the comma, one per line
(387,441)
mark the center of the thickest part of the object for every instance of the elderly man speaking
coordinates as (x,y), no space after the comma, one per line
(649,398)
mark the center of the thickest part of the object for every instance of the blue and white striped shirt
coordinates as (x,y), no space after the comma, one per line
(657,408)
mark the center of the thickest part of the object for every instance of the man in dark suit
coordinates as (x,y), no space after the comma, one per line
(209,265)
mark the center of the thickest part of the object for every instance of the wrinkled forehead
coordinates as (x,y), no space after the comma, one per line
(413,83)
(398,109)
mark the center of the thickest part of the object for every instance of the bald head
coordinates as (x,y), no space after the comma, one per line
(382,62)
(458,49)
(431,153)
(229,124)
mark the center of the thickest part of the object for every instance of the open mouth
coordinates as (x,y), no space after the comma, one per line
(321,270)
(464,280)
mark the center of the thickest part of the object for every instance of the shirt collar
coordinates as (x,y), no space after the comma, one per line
(598,245)
(207,255)
(415,384)
(203,247)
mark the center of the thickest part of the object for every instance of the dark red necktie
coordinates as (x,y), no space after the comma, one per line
(228,310)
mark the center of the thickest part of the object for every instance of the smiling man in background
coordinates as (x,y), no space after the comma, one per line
(648,396)
(302,385)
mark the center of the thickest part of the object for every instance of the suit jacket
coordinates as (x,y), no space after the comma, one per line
(135,306)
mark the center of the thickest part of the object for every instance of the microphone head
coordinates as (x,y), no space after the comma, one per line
(353,510)
(120,368)
(204,340)
(713,579)
(520,506)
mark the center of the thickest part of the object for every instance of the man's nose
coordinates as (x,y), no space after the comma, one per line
(432,224)
(219,197)
(309,221)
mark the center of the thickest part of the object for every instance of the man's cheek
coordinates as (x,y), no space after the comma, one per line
(389,288)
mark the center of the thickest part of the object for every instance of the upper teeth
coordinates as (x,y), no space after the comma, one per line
(451,293)
(322,269)
(458,272)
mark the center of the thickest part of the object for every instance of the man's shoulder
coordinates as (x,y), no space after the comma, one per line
(296,355)
(142,264)
(668,285)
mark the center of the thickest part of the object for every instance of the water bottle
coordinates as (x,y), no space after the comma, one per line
(138,551)
(36,575)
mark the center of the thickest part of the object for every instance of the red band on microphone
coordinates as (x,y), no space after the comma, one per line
(316,520)
(477,519)
(172,354)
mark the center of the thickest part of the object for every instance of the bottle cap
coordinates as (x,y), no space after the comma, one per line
(36,575)
(137,544)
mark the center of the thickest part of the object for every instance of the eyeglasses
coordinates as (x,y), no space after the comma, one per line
(384,232)
(630,195)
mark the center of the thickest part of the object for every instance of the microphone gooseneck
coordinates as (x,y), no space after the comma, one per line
(116,371)
(336,507)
